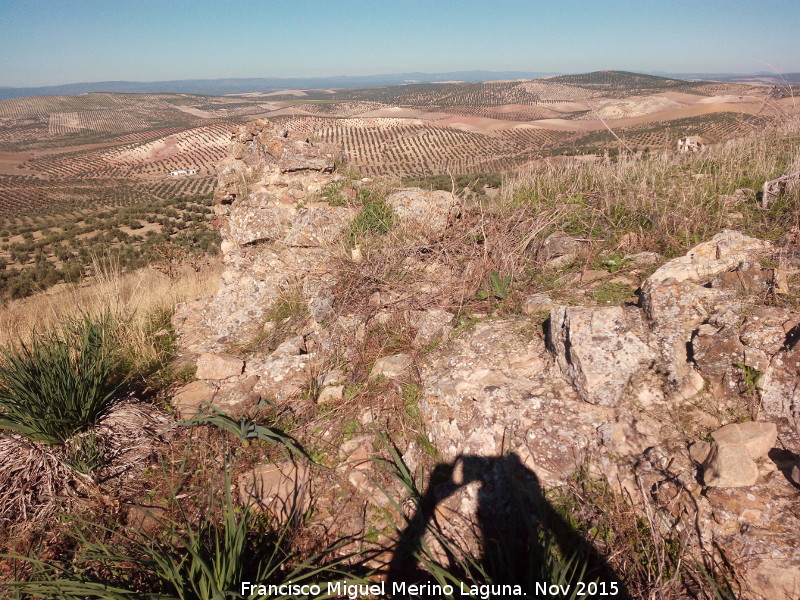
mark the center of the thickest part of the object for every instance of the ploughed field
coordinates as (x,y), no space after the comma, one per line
(89,175)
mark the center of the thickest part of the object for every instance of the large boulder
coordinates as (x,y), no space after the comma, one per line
(428,212)
(599,349)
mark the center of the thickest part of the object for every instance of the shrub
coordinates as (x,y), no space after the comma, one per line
(59,383)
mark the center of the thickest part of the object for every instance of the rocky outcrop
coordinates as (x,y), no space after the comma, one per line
(598,350)
(494,391)
(629,391)
(281,245)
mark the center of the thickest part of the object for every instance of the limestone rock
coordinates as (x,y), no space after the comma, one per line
(429,212)
(282,489)
(724,252)
(598,350)
(560,249)
(268,242)
(492,391)
(432,325)
(731,461)
(257,218)
(674,311)
(768,328)
(757,437)
(357,452)
(613,386)
(365,486)
(280,377)
(536,303)
(729,466)
(391,367)
(335,377)
(218,366)
(189,399)
(759,526)
(676,300)
(236,400)
(781,386)
(716,352)
(775,188)
(331,393)
(318,225)
(294,346)
(301,155)
(699,451)
(748,281)
(147,519)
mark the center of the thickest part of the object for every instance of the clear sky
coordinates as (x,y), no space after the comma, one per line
(48,42)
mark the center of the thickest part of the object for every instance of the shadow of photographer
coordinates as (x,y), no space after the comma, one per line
(524,541)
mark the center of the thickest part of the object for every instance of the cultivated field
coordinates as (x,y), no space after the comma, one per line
(90,174)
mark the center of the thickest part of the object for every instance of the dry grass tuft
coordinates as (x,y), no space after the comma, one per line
(669,201)
(38,481)
(140,305)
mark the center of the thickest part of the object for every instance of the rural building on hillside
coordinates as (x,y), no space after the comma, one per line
(194,171)
(691,143)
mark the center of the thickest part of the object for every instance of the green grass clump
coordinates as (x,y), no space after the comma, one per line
(59,383)
(612,292)
(375,217)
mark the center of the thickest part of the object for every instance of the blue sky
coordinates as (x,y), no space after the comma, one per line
(53,42)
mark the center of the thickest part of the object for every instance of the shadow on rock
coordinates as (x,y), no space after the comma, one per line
(526,548)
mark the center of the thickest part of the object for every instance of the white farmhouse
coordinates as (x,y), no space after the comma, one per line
(691,143)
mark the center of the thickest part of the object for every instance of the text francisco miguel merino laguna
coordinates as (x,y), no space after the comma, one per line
(358,591)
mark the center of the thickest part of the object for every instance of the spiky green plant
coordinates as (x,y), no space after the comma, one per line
(246,428)
(59,383)
(183,560)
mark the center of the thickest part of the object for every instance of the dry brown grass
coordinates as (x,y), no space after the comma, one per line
(38,481)
(665,203)
(670,201)
(140,304)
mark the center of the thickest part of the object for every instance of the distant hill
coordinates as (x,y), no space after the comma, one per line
(760,77)
(609,80)
(219,87)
